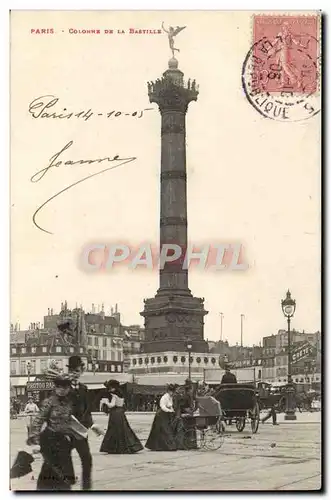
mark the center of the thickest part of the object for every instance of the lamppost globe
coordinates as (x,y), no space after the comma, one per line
(288,305)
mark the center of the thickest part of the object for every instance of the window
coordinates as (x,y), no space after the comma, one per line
(71,349)
(104,355)
(43,365)
(159,359)
(205,360)
(44,349)
(112,355)
(140,361)
(183,359)
(119,355)
(23,350)
(23,367)
(175,359)
(134,361)
(112,368)
(191,359)
(213,360)
(13,367)
(81,350)
(165,359)
(58,348)
(13,350)
(33,366)
(96,341)
(89,341)
(146,361)
(152,359)
(119,368)
(105,342)
(198,359)
(33,350)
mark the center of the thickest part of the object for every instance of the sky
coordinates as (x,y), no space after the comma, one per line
(250,179)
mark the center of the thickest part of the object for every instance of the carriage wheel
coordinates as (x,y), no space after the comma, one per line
(255,418)
(192,439)
(213,439)
(240,424)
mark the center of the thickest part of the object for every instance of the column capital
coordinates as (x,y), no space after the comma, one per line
(171,93)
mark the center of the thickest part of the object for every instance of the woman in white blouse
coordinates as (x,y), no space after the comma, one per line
(162,434)
(119,438)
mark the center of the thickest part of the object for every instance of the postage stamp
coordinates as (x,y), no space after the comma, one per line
(281,72)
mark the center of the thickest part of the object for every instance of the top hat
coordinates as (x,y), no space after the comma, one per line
(22,465)
(75,362)
(112,384)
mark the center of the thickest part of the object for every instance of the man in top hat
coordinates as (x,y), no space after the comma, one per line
(78,396)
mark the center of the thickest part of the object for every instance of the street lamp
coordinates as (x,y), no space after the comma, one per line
(222,316)
(189,349)
(288,307)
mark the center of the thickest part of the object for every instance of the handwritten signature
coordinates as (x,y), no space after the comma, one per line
(40,106)
(55,162)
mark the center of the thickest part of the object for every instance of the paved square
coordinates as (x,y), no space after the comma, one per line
(286,457)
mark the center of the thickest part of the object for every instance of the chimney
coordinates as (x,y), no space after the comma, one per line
(52,311)
(111,311)
(116,308)
(93,309)
(48,312)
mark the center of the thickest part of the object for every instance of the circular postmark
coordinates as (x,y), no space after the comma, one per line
(281,81)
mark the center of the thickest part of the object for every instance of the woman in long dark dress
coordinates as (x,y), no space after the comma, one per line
(119,438)
(57,472)
(162,434)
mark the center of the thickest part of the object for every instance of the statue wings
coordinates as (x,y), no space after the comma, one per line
(178,29)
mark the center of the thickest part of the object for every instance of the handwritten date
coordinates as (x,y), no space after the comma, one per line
(44,107)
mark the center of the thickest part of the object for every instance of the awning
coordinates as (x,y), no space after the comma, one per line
(145,390)
(20,381)
(96,380)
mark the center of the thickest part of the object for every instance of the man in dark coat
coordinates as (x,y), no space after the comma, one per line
(78,396)
(228,377)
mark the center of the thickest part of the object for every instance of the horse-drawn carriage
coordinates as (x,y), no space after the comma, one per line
(239,402)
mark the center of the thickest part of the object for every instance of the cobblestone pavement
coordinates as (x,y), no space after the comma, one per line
(284,457)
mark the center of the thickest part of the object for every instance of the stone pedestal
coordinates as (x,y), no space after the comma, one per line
(174,315)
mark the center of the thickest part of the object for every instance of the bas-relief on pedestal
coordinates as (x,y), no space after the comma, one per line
(173,315)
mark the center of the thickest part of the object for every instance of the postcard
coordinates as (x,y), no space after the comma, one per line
(165,184)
